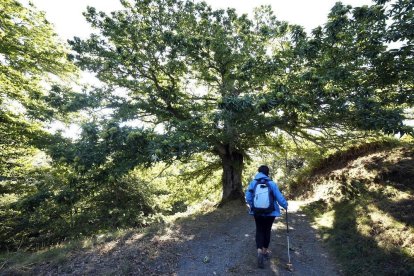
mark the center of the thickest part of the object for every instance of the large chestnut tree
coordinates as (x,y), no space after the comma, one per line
(218,82)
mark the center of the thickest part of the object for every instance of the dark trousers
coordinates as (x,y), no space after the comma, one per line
(263,230)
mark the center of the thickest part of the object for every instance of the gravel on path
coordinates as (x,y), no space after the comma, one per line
(226,246)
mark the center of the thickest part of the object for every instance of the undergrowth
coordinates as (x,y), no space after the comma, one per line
(23,261)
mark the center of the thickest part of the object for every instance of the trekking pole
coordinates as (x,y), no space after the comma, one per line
(289,265)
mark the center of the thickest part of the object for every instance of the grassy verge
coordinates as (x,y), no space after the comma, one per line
(367,217)
(22,261)
(365,240)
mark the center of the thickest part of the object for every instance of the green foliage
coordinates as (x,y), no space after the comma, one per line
(76,198)
(59,203)
(217,82)
(348,72)
(30,55)
(190,43)
(185,184)
(189,91)
(199,74)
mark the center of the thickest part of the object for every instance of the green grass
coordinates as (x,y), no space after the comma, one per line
(21,261)
(367,218)
(362,244)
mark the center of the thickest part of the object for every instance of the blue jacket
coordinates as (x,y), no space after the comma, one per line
(279,199)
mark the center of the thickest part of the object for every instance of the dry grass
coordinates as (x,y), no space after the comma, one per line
(144,251)
(363,208)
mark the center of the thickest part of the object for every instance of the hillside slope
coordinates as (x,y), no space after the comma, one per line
(362,203)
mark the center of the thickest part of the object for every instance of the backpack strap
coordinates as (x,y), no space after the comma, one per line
(259,181)
(266,180)
(254,186)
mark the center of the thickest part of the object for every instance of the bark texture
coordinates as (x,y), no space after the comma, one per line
(232,163)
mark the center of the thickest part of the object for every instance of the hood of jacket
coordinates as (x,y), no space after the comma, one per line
(261,175)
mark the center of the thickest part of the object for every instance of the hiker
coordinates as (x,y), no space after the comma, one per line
(264,216)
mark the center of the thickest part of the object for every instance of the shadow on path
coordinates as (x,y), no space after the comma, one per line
(228,247)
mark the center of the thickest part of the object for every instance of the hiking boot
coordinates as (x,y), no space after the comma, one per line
(260,260)
(267,255)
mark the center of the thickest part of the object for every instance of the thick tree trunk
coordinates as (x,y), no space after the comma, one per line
(232,163)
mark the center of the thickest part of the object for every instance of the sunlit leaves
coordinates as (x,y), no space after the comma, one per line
(352,75)
(29,55)
(256,76)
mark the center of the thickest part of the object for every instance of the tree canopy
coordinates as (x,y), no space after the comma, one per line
(219,82)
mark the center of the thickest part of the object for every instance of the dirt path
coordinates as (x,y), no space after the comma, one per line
(217,243)
(229,248)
